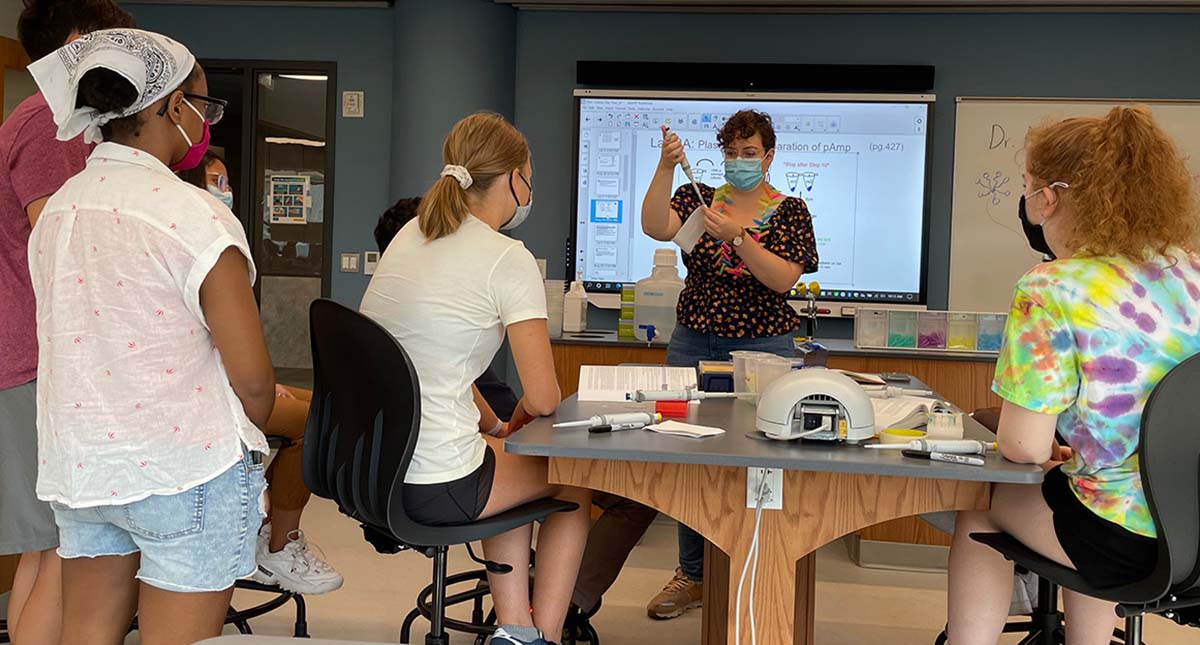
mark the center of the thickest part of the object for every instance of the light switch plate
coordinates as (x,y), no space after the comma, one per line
(349,263)
(370,261)
(353,105)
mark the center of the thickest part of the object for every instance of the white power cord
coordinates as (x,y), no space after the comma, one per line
(764,491)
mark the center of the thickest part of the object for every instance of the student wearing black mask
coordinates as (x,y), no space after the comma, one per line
(1033,232)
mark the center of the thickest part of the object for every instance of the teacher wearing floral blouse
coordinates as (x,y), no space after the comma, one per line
(756,244)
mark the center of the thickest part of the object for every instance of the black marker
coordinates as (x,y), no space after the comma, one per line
(941,456)
(616,427)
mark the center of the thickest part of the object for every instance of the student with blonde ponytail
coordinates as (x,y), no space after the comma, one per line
(450,288)
(1089,336)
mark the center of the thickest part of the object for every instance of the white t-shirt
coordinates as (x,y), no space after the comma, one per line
(447,302)
(133,399)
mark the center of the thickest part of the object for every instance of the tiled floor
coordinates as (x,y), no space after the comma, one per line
(854,605)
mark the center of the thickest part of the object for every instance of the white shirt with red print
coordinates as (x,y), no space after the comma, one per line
(133,399)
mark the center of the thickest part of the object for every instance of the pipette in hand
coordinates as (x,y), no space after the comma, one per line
(683,163)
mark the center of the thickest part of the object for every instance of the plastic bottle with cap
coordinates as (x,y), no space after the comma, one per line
(655,299)
(575,308)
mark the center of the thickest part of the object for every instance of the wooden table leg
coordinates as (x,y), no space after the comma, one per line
(818,508)
(715,623)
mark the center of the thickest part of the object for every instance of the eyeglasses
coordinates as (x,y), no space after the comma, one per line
(220,181)
(214,108)
(731,154)
(1052,185)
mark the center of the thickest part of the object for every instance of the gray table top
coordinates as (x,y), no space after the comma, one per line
(742,446)
(836,347)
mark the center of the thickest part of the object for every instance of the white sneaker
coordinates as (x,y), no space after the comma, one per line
(295,567)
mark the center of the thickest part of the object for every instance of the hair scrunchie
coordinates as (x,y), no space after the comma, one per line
(460,173)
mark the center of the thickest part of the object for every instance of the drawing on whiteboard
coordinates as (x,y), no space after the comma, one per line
(992,186)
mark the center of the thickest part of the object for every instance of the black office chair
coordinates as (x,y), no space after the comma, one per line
(1169,461)
(362,430)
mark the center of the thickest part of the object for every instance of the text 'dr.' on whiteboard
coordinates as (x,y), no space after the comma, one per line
(988,251)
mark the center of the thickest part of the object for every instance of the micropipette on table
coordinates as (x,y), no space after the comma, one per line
(641,396)
(948,446)
(619,418)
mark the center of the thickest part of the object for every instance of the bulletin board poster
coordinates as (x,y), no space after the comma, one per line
(291,199)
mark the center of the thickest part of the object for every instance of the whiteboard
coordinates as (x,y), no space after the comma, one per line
(988,251)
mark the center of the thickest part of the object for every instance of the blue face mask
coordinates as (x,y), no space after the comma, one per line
(743,174)
(226,197)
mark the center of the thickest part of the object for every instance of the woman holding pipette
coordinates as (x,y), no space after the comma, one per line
(754,245)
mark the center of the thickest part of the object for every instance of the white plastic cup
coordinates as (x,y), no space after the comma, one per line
(771,369)
(745,371)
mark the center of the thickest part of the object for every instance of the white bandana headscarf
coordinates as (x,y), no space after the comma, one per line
(155,64)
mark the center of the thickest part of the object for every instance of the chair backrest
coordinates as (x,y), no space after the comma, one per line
(365,414)
(1169,456)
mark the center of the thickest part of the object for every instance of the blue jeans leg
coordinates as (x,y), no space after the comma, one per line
(686,349)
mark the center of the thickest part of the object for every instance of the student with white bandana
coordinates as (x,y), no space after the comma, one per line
(153,375)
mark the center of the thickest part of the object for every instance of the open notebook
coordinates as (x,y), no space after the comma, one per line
(905,412)
(613,382)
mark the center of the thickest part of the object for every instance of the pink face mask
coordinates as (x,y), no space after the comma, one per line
(196,150)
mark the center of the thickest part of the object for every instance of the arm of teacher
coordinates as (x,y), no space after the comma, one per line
(659,220)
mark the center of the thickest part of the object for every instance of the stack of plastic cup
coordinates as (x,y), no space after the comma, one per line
(771,369)
(745,372)
(555,302)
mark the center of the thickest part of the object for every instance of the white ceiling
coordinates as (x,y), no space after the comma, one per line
(859,5)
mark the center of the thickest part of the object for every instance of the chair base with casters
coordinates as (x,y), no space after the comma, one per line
(481,625)
(577,629)
(433,599)
(3,631)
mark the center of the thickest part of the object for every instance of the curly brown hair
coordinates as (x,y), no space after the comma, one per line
(1130,190)
(745,124)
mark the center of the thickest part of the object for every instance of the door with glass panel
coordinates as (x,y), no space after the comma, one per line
(278,146)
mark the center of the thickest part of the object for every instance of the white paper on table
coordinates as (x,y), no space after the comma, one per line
(685,429)
(614,382)
(688,234)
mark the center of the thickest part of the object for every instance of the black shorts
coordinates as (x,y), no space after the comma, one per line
(457,502)
(1105,554)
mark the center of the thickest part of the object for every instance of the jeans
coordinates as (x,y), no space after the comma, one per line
(686,349)
(201,539)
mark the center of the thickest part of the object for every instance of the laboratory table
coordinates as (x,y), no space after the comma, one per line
(829,491)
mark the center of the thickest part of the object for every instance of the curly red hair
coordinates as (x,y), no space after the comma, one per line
(1131,191)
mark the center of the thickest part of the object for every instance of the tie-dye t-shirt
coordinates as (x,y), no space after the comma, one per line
(1088,339)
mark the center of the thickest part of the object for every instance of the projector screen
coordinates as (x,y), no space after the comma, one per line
(860,162)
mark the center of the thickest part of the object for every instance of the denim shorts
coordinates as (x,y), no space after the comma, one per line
(202,539)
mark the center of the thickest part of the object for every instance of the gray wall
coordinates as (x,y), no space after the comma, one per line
(360,42)
(9,11)
(453,57)
(1073,55)
(423,65)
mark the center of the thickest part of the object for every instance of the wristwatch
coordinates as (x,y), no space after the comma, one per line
(738,239)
